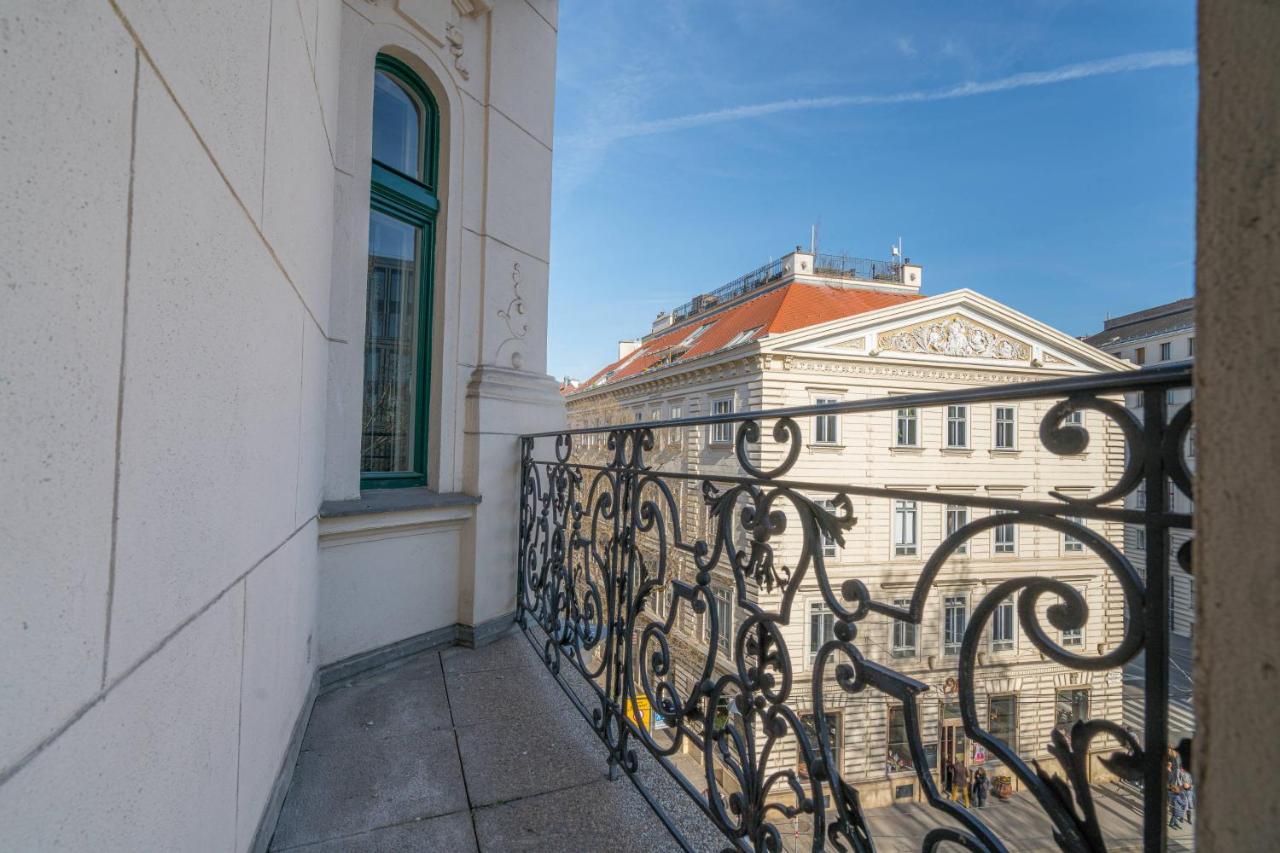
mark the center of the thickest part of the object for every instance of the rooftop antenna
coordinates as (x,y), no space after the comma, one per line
(896,249)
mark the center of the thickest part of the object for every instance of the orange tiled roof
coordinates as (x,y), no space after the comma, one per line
(783,309)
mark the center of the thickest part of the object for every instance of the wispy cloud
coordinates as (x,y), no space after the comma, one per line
(905,47)
(1116,65)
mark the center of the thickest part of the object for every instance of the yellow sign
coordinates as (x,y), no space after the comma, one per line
(638,712)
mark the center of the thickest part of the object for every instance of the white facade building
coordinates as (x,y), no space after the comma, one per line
(198,412)
(808,330)
(1159,335)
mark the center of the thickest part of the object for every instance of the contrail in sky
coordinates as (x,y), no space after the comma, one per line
(1078,71)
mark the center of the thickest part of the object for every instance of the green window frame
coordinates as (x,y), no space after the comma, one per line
(410,199)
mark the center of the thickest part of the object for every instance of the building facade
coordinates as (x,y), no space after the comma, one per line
(275,309)
(808,330)
(1159,335)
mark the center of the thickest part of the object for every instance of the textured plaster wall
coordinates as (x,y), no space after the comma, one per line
(1237,557)
(163,362)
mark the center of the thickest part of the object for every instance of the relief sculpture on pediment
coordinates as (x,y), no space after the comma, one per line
(955,336)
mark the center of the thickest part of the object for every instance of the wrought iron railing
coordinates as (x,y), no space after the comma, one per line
(618,567)
(758,277)
(863,269)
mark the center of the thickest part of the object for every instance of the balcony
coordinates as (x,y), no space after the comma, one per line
(697,608)
(630,649)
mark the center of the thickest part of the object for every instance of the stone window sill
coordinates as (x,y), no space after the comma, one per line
(379,513)
(375,501)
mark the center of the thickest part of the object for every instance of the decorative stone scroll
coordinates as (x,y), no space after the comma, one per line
(955,336)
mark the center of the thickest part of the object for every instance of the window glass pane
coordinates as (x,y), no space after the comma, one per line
(957,517)
(1004,719)
(954,618)
(391,346)
(906,433)
(397,126)
(1002,626)
(904,528)
(899,750)
(830,548)
(821,628)
(1072,705)
(903,643)
(1071,544)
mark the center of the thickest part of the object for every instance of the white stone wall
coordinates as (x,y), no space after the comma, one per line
(181,336)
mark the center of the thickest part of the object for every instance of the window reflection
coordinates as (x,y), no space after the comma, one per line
(397,119)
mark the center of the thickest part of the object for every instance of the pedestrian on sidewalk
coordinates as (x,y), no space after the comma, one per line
(946,779)
(1181,800)
(981,787)
(960,781)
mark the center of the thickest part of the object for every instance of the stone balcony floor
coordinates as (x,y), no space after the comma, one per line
(463,749)
(480,749)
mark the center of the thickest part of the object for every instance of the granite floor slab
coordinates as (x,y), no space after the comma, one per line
(460,750)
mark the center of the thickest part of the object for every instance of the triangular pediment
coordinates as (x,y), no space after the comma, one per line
(961,326)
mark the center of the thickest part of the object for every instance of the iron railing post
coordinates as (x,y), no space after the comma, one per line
(1156,657)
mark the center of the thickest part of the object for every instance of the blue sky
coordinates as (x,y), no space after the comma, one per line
(1041,152)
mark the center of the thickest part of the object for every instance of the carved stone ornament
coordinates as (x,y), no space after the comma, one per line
(511,315)
(454,35)
(955,336)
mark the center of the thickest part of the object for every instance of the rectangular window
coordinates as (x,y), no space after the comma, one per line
(898,752)
(1070,706)
(1170,398)
(903,642)
(724,615)
(832,737)
(1140,498)
(660,600)
(639,417)
(821,628)
(905,528)
(722,433)
(957,426)
(1140,355)
(955,616)
(1070,544)
(655,415)
(957,517)
(1006,427)
(1002,715)
(825,426)
(1073,636)
(1002,626)
(1075,418)
(829,546)
(1166,351)
(908,428)
(1140,538)
(1191,347)
(1005,536)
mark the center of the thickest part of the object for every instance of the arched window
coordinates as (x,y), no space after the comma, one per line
(397,339)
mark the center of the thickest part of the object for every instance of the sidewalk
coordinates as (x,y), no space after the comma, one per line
(1018,822)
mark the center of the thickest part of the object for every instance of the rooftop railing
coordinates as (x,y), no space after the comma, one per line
(862,269)
(689,573)
(759,277)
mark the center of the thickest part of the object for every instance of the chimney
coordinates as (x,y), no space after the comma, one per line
(625,348)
